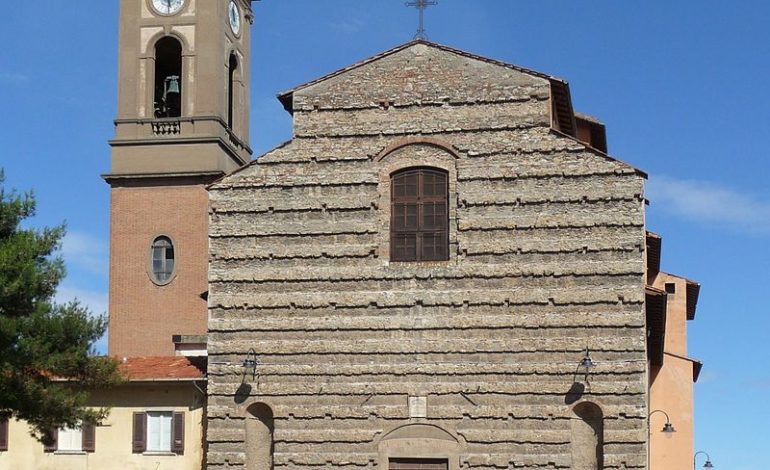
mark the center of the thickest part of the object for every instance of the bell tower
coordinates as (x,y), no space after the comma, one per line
(183,121)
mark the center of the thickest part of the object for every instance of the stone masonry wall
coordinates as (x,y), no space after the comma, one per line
(547,242)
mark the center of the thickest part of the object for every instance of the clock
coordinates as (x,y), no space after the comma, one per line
(167,7)
(234,17)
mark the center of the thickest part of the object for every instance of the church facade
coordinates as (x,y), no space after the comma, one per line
(434,273)
(443,269)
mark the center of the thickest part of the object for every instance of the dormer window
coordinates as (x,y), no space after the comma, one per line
(168,78)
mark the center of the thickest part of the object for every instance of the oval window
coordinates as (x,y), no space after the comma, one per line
(162,260)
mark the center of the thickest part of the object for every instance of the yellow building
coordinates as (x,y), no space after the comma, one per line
(155,422)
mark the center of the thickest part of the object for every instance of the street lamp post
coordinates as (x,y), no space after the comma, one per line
(668,428)
(708,465)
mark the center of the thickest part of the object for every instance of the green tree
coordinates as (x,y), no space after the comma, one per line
(47,365)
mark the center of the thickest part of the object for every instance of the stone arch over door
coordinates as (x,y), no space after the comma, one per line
(259,437)
(419,441)
(587,437)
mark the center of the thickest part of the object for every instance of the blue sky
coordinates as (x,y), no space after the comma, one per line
(680,86)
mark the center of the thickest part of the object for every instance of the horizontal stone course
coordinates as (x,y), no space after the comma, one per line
(560,322)
(418,119)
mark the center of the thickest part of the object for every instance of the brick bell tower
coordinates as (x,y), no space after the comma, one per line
(183,121)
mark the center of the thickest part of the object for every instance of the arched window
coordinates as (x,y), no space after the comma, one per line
(419,225)
(259,437)
(162,259)
(168,78)
(233,66)
(587,437)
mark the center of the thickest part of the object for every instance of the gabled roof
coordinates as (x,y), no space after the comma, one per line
(159,369)
(560,87)
(692,292)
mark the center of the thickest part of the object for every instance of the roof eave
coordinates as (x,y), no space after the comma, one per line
(598,152)
(693,293)
(166,380)
(655,313)
(653,243)
(129,380)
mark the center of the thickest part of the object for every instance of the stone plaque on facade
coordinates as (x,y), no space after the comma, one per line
(418,407)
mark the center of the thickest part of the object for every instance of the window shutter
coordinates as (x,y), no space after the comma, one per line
(3,435)
(51,440)
(139,434)
(419,229)
(177,433)
(88,432)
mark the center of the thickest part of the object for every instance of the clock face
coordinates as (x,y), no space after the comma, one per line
(234,16)
(167,7)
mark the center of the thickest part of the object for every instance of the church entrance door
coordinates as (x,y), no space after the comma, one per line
(419,464)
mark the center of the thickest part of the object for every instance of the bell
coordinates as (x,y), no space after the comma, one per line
(172,84)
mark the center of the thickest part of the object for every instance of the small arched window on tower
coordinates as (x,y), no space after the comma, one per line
(168,78)
(162,260)
(232,67)
(419,219)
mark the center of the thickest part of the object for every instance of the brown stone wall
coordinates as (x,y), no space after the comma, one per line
(547,243)
(143,315)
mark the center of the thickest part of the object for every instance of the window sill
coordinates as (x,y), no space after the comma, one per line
(159,453)
(70,452)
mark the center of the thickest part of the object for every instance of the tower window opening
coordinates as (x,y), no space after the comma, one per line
(168,78)
(233,66)
(162,259)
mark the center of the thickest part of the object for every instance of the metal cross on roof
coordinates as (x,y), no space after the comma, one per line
(421,5)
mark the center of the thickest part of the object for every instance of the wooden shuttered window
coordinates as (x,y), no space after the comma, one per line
(89,438)
(139,433)
(177,433)
(174,435)
(3,435)
(419,222)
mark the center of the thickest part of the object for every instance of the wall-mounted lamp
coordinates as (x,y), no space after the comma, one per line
(668,428)
(708,465)
(587,363)
(249,364)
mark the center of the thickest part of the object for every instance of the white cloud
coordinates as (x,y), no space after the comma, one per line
(348,26)
(13,77)
(709,202)
(94,300)
(86,252)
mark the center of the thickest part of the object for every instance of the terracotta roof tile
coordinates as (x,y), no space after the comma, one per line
(159,368)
